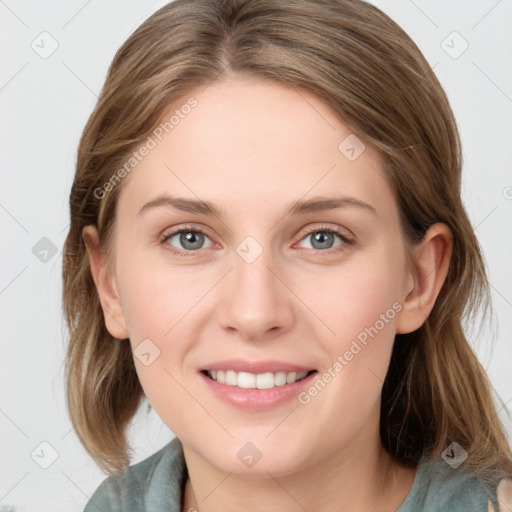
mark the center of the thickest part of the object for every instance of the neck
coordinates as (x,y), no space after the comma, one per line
(360,477)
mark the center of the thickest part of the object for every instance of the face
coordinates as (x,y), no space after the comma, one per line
(272,285)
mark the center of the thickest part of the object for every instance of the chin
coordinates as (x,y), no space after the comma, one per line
(254,460)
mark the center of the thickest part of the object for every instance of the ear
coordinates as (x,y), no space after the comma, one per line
(105,285)
(431,260)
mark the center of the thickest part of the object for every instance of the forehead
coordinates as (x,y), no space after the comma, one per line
(247,140)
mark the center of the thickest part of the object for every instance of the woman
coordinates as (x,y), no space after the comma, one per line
(268,243)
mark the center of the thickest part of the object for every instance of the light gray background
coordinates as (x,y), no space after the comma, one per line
(45,104)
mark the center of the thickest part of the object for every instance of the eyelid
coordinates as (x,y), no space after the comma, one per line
(346,239)
(170,232)
(334,229)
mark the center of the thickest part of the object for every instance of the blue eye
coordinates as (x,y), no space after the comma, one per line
(323,239)
(187,240)
(190,240)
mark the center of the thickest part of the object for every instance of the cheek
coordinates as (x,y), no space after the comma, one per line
(157,311)
(157,301)
(354,299)
(360,309)
(163,309)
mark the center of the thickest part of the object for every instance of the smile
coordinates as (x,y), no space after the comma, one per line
(248,380)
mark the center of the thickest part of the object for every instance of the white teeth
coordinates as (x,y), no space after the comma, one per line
(248,380)
(265,380)
(291,377)
(280,379)
(230,379)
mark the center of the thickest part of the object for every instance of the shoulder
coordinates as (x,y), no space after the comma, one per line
(438,486)
(504,496)
(156,482)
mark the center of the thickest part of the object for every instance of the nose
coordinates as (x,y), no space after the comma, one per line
(256,304)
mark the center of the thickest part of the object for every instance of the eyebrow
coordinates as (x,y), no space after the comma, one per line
(299,207)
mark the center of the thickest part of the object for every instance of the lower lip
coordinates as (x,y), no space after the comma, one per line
(257,399)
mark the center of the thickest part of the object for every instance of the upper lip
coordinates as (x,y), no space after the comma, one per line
(256,367)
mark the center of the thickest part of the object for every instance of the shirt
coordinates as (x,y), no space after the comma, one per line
(157,483)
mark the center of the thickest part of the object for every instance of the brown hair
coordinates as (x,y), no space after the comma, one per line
(360,63)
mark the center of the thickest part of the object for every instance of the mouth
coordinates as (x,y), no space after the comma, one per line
(253,385)
(247,380)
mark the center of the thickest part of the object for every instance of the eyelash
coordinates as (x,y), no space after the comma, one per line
(316,252)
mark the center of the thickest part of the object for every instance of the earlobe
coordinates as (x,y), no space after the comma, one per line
(431,260)
(105,285)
